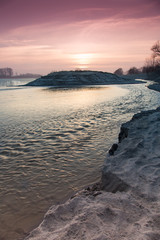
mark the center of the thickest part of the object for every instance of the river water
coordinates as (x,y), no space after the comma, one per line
(53,142)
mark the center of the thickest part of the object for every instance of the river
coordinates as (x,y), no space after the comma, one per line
(53,142)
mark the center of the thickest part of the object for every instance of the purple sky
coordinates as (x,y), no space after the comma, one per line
(45,35)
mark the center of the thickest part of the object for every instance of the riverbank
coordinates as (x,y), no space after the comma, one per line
(155,87)
(124,205)
(156,82)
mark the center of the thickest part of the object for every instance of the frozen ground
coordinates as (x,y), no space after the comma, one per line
(125,205)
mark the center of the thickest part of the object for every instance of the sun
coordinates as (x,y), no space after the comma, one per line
(82,60)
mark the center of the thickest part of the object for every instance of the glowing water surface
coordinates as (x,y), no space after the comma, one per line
(53,142)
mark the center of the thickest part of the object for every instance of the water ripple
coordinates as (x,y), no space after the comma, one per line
(51,145)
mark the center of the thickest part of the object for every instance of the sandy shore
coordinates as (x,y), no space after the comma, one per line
(126,203)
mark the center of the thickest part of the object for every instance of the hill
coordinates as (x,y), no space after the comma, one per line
(77,78)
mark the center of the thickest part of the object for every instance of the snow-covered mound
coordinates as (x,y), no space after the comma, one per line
(76,78)
(125,205)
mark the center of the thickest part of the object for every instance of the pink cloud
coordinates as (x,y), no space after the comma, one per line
(41,34)
(16,13)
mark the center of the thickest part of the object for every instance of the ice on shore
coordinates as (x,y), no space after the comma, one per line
(125,205)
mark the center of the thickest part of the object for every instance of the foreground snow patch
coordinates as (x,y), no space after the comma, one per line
(106,216)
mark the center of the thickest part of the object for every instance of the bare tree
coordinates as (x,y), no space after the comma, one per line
(149,65)
(152,64)
(156,54)
(156,49)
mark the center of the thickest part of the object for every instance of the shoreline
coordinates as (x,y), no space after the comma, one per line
(122,205)
(155,87)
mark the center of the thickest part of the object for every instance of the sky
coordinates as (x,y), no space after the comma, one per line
(40,36)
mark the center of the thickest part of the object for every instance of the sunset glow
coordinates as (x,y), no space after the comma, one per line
(42,35)
(83,60)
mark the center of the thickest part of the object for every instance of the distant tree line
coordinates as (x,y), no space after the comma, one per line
(28,75)
(152,64)
(119,71)
(132,70)
(6,72)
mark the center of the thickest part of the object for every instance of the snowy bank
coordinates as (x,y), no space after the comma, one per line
(155,86)
(125,205)
(80,78)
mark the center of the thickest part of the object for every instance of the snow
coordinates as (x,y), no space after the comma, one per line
(137,160)
(125,205)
